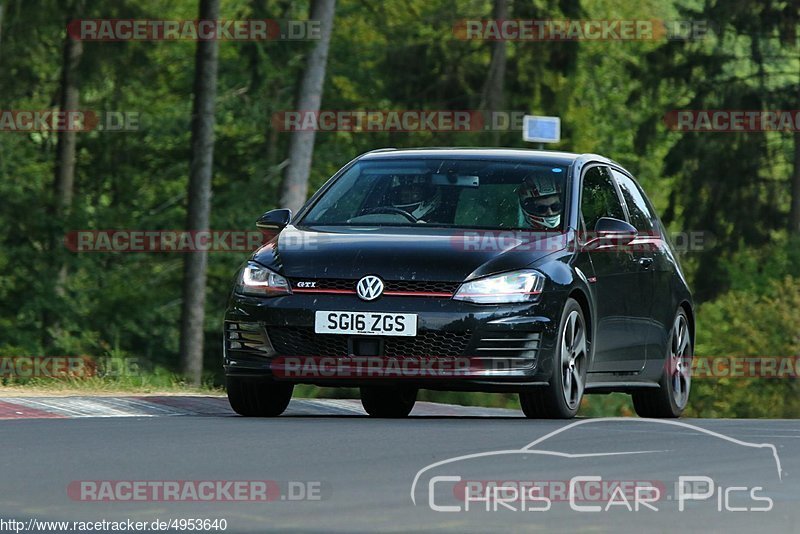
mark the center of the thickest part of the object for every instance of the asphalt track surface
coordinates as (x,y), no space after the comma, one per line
(365,475)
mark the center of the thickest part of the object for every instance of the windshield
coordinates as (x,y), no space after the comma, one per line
(444,192)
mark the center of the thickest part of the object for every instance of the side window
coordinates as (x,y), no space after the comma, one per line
(641,218)
(599,197)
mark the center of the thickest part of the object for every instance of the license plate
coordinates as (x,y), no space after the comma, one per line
(355,323)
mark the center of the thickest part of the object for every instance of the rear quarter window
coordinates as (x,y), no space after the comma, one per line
(638,208)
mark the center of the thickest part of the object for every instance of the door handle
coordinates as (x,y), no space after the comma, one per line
(645,263)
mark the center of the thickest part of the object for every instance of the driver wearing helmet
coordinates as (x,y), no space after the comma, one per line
(540,202)
(417,198)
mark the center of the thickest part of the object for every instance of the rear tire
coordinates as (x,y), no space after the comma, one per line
(392,402)
(561,399)
(669,400)
(258,397)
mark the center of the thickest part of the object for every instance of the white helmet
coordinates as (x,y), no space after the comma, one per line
(534,193)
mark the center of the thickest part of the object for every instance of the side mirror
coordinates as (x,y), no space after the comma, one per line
(611,232)
(275,220)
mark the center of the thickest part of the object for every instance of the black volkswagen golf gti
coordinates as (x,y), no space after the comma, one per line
(543,273)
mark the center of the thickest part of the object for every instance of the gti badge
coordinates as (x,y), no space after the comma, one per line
(306,284)
(369,288)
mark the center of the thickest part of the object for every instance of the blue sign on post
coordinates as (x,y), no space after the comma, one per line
(541,129)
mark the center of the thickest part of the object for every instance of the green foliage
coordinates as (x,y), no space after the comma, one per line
(732,185)
(756,318)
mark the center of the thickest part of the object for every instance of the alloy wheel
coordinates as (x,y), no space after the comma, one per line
(573,359)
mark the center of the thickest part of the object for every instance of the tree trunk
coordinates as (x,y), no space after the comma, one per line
(64,184)
(493,89)
(301,145)
(63,179)
(2,11)
(794,214)
(195,264)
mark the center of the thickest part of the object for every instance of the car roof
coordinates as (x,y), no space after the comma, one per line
(516,154)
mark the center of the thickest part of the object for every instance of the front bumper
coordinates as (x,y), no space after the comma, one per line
(507,346)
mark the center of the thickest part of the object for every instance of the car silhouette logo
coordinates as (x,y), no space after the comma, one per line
(369,288)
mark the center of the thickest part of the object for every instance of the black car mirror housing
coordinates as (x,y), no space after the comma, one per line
(274,220)
(609,231)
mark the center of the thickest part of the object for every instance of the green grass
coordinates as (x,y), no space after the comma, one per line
(158,381)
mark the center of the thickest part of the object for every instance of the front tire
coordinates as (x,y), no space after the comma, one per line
(672,397)
(561,399)
(258,397)
(392,402)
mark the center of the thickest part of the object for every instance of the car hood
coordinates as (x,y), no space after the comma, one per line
(403,253)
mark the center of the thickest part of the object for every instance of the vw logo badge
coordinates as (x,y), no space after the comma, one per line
(369,288)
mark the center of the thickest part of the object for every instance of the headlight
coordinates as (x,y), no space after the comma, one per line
(517,286)
(260,281)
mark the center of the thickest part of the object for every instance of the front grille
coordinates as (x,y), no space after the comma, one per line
(416,286)
(428,344)
(421,287)
(297,341)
